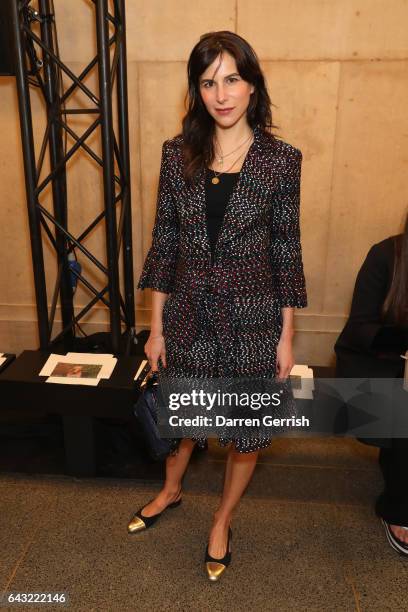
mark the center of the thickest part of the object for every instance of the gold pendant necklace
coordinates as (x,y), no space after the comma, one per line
(215,180)
(221,156)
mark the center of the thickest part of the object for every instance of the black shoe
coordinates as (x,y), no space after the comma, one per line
(397,544)
(140,522)
(216,567)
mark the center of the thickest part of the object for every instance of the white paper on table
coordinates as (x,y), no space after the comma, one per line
(52,361)
(50,364)
(2,360)
(64,380)
(302,370)
(140,370)
(307,384)
(102,356)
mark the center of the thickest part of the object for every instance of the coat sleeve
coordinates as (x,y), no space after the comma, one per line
(160,264)
(365,329)
(286,251)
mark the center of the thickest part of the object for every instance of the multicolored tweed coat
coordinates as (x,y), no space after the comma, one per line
(225,319)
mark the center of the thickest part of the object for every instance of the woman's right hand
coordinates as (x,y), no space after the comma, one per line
(154,348)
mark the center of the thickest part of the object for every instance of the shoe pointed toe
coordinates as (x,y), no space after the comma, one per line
(215,570)
(140,522)
(216,567)
(136,524)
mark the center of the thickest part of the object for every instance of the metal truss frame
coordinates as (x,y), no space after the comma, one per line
(38,63)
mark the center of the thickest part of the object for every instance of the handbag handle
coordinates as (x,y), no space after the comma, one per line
(151,379)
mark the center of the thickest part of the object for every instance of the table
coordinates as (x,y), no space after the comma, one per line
(78,405)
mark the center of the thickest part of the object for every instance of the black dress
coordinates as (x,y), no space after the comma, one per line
(216,199)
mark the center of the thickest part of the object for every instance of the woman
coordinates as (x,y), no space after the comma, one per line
(226,246)
(370,345)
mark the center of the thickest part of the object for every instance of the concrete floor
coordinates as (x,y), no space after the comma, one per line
(305,538)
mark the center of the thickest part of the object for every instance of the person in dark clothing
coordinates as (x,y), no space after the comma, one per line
(370,345)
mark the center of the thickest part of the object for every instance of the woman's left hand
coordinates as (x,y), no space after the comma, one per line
(284,358)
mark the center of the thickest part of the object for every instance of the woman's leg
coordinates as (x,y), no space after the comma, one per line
(392,504)
(176,465)
(227,474)
(238,473)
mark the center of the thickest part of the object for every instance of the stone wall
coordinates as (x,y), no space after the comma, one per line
(337,74)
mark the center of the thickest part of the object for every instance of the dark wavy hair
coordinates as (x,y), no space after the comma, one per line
(198,126)
(396,302)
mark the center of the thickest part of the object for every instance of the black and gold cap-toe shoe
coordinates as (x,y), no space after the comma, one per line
(216,567)
(140,522)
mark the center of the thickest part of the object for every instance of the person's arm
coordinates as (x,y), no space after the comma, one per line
(159,268)
(286,258)
(155,346)
(284,351)
(160,264)
(286,250)
(370,291)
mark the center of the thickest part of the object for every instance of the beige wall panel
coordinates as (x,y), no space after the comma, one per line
(18,335)
(76,29)
(135,141)
(21,334)
(370,185)
(16,284)
(156,30)
(162,88)
(314,348)
(325,29)
(306,96)
(278,29)
(168,29)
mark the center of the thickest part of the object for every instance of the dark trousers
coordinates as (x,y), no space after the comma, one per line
(392,505)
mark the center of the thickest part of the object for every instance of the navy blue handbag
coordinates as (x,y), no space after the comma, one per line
(146,411)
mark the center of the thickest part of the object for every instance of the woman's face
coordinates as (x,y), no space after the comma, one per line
(222,88)
(75,372)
